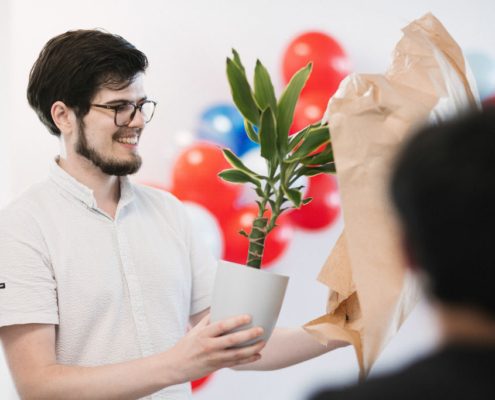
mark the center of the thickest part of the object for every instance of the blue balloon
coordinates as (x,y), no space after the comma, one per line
(483,67)
(223,124)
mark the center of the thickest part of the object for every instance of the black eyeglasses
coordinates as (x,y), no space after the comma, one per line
(125,112)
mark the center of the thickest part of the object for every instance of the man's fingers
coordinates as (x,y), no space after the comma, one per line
(222,327)
(204,321)
(241,353)
(247,360)
(232,357)
(238,338)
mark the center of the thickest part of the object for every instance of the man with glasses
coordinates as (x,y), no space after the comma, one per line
(99,278)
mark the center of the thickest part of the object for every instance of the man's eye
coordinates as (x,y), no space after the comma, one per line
(124,107)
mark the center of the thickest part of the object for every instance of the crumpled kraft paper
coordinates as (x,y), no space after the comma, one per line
(371,291)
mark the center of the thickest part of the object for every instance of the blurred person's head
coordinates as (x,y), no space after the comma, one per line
(443,187)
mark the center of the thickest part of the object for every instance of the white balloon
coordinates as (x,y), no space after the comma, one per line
(184,138)
(206,225)
(304,182)
(253,160)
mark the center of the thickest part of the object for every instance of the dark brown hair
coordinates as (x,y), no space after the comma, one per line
(443,187)
(73,66)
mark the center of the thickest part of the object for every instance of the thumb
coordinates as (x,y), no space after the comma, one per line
(203,322)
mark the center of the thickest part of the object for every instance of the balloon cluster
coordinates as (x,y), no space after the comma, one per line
(483,68)
(223,209)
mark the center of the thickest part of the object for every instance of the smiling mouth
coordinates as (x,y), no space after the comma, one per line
(128,140)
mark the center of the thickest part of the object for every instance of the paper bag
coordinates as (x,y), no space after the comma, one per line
(371,291)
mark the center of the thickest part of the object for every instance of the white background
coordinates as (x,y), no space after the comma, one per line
(187,42)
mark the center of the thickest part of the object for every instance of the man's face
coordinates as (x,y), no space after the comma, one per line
(111,148)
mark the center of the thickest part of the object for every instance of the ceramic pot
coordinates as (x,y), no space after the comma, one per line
(239,289)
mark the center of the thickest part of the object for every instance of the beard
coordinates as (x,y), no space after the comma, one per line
(107,165)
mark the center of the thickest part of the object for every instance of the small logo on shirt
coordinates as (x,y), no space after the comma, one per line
(2,285)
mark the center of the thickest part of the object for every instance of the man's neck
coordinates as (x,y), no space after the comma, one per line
(465,324)
(106,188)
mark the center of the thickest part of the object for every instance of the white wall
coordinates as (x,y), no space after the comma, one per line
(5,91)
(187,42)
(6,387)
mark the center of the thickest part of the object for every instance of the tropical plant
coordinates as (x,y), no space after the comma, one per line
(267,122)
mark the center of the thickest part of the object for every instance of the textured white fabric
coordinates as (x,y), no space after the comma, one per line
(118,288)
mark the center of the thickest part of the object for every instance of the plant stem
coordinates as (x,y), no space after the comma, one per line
(257,242)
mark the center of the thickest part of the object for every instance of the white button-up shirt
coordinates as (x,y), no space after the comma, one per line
(117,289)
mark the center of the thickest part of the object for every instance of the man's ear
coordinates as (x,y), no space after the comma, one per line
(63,117)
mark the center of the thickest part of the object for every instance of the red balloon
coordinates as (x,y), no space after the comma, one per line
(194,178)
(236,245)
(310,108)
(325,207)
(330,63)
(198,383)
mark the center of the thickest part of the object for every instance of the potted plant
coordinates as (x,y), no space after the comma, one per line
(267,122)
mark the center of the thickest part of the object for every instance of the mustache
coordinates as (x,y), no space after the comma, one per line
(127,132)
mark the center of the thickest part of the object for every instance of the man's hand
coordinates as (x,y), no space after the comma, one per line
(30,351)
(210,346)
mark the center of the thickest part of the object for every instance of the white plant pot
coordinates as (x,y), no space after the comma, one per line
(239,289)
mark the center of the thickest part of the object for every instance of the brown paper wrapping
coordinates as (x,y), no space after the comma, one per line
(371,293)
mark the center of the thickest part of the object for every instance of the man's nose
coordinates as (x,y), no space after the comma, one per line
(138,120)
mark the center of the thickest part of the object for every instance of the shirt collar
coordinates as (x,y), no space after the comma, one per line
(82,192)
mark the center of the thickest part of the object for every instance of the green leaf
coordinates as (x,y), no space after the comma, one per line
(238,164)
(294,196)
(264,93)
(297,137)
(287,104)
(321,169)
(307,200)
(268,135)
(243,233)
(241,92)
(314,139)
(237,60)
(248,127)
(236,176)
(272,204)
(259,192)
(325,157)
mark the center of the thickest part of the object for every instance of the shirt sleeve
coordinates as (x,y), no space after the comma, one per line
(203,265)
(27,285)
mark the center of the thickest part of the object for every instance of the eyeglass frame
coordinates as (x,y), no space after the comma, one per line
(114,108)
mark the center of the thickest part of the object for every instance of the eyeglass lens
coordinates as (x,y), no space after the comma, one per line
(125,113)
